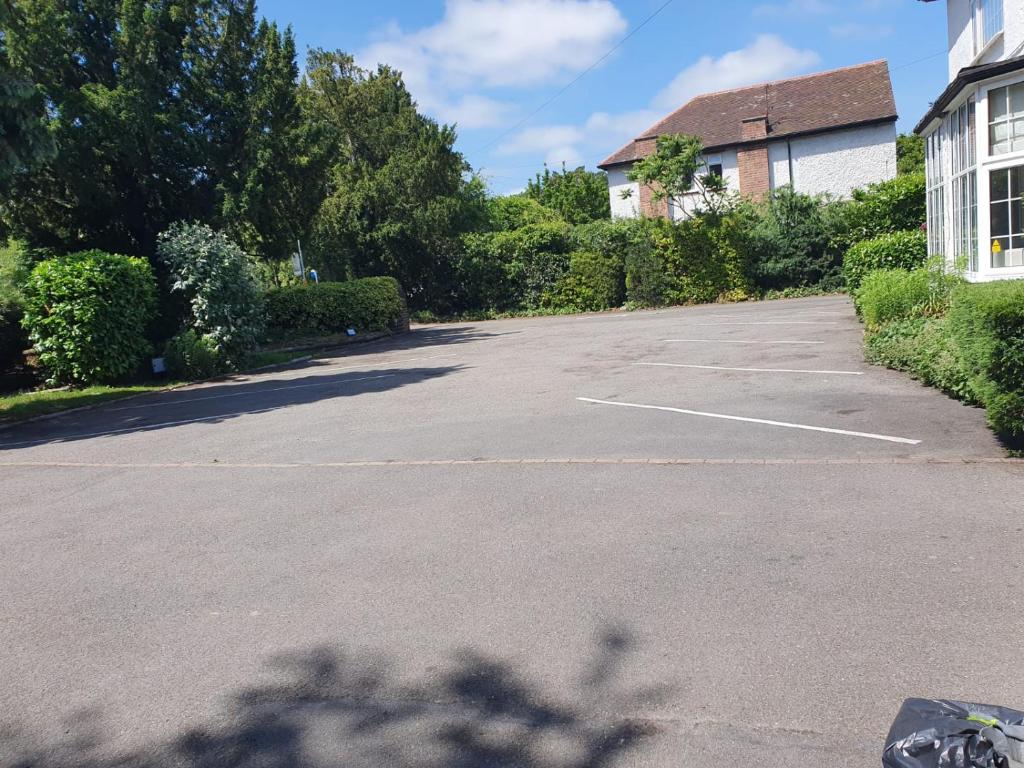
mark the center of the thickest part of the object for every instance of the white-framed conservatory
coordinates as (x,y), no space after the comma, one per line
(974,167)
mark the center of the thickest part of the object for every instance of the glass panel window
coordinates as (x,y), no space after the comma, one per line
(1006,213)
(991,19)
(1006,119)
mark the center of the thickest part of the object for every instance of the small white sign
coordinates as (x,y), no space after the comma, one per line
(351,331)
(296,265)
(159,365)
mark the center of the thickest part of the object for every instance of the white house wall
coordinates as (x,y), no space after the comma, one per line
(836,163)
(623,208)
(961,35)
(778,164)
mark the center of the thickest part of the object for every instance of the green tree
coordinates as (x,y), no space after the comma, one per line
(580,196)
(24,140)
(909,154)
(395,189)
(677,169)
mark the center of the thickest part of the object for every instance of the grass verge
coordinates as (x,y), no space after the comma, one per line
(27,405)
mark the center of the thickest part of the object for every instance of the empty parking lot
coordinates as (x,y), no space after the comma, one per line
(619,539)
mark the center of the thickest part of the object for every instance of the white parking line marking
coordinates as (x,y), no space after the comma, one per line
(872,436)
(776,322)
(751,370)
(741,341)
(249,392)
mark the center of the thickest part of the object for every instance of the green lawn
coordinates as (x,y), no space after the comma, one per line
(25,405)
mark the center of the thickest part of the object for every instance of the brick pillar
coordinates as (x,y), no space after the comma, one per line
(752,159)
(649,207)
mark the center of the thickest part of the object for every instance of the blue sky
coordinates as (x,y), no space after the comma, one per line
(486,65)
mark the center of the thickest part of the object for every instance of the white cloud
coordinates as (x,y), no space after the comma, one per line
(794,8)
(485,44)
(857,31)
(767,58)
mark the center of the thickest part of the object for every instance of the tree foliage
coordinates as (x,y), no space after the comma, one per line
(160,111)
(677,169)
(579,196)
(909,154)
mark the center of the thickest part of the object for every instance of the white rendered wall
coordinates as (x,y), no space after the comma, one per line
(839,162)
(778,165)
(961,35)
(730,175)
(628,208)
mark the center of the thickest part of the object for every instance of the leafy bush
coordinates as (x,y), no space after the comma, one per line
(896,205)
(892,294)
(191,356)
(594,282)
(578,196)
(632,242)
(14,272)
(700,262)
(788,239)
(512,212)
(367,304)
(987,323)
(925,348)
(87,315)
(895,250)
(220,283)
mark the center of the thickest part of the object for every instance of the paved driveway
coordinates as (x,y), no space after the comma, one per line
(697,537)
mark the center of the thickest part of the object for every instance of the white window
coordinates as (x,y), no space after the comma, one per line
(1006,119)
(961,134)
(1006,217)
(987,16)
(935,195)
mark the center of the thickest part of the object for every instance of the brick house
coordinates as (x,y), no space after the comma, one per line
(826,133)
(975,174)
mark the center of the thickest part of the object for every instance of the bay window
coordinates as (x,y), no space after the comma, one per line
(1006,119)
(1006,217)
(935,195)
(961,132)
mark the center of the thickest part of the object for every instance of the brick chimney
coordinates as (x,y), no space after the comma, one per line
(752,158)
(649,207)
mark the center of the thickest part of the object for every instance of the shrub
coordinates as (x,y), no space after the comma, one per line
(925,348)
(892,294)
(220,284)
(987,323)
(896,205)
(895,250)
(631,241)
(700,262)
(14,271)
(512,212)
(87,315)
(191,356)
(788,240)
(367,304)
(594,282)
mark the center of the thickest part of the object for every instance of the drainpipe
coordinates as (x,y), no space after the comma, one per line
(789,158)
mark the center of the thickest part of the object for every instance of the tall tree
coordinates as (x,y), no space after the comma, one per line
(24,140)
(396,185)
(578,195)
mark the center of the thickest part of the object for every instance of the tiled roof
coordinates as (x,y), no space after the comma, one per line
(824,101)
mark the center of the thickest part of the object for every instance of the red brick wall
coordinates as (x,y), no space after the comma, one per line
(651,208)
(753,166)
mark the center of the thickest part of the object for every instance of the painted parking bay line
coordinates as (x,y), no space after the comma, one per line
(768,422)
(750,370)
(742,341)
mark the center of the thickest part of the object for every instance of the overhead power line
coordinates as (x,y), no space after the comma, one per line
(576,79)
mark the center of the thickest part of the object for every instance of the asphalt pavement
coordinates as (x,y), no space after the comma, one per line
(698,536)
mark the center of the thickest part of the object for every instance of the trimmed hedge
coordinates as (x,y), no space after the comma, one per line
(896,250)
(87,315)
(367,304)
(987,324)
(595,281)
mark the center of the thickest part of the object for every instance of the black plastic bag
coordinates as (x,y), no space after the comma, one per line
(939,733)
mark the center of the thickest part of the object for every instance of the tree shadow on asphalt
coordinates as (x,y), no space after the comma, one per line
(438,336)
(214,404)
(330,708)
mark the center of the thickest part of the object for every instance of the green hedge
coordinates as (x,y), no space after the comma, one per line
(892,294)
(87,315)
(987,324)
(367,304)
(926,349)
(896,205)
(895,250)
(595,281)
